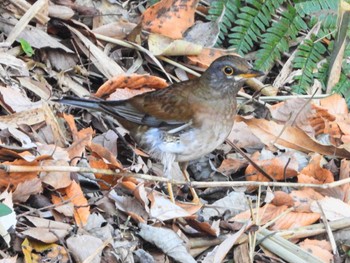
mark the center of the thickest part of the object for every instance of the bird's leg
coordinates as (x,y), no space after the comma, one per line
(183,167)
(170,192)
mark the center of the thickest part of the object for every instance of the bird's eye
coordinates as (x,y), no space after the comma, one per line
(228,70)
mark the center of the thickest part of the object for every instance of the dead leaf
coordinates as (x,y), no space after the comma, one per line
(84,246)
(288,221)
(333,208)
(167,241)
(26,189)
(56,180)
(46,231)
(161,17)
(132,82)
(163,46)
(208,55)
(319,248)
(291,137)
(81,206)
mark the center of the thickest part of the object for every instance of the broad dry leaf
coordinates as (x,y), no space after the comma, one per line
(163,209)
(288,221)
(316,172)
(220,252)
(16,101)
(321,249)
(105,154)
(107,66)
(333,208)
(170,18)
(230,205)
(134,81)
(294,112)
(304,198)
(204,34)
(335,104)
(279,168)
(81,206)
(14,178)
(84,246)
(166,240)
(56,180)
(129,205)
(282,198)
(47,231)
(126,93)
(163,46)
(291,137)
(231,166)
(118,30)
(26,189)
(66,209)
(208,55)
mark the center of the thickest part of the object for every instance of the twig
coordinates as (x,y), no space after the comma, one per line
(24,169)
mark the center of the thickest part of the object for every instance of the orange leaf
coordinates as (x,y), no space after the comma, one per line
(104,153)
(314,170)
(282,198)
(208,55)
(170,18)
(291,137)
(320,248)
(275,167)
(14,178)
(290,220)
(132,82)
(81,208)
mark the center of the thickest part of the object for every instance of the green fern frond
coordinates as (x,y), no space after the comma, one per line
(316,7)
(275,40)
(343,87)
(306,59)
(230,9)
(252,20)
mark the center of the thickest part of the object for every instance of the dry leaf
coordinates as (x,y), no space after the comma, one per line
(162,17)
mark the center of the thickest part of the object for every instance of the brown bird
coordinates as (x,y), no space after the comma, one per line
(183,121)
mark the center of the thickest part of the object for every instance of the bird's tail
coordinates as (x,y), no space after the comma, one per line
(79,102)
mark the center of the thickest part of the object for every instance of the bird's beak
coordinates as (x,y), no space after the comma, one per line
(252,73)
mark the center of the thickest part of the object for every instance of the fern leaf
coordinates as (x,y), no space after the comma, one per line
(307,56)
(316,7)
(275,40)
(252,19)
(228,10)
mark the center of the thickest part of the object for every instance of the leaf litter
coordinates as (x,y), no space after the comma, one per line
(77,188)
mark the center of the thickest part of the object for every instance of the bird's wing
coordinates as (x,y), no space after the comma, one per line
(162,108)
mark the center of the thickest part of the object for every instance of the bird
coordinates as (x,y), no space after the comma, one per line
(184,121)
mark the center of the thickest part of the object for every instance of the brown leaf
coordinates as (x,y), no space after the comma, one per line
(162,17)
(26,189)
(314,169)
(134,81)
(320,248)
(288,221)
(208,55)
(291,137)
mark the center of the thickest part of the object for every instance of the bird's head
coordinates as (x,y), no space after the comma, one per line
(226,71)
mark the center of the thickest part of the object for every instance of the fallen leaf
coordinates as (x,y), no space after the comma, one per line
(47,231)
(163,46)
(167,241)
(320,248)
(133,81)
(162,17)
(291,137)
